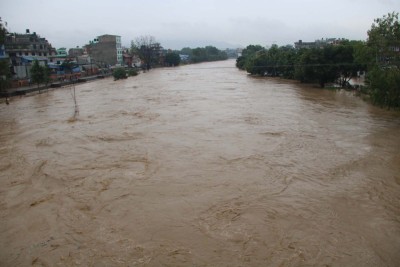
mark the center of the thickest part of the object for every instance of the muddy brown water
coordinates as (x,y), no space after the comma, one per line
(199,165)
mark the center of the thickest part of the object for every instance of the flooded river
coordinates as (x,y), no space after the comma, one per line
(199,165)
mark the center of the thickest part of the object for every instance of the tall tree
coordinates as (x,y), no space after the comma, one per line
(40,74)
(384,38)
(286,60)
(37,73)
(46,74)
(148,50)
(247,55)
(317,65)
(172,59)
(384,78)
(3,32)
(346,66)
(5,73)
(186,51)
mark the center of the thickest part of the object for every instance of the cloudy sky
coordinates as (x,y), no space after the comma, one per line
(180,23)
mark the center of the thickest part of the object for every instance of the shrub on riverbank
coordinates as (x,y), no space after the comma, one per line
(133,72)
(119,73)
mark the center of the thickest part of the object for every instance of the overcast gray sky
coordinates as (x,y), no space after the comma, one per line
(180,23)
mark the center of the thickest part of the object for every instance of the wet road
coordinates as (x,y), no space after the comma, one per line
(199,165)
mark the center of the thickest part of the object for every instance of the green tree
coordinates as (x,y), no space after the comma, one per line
(5,74)
(384,38)
(385,87)
(186,51)
(286,60)
(241,62)
(384,77)
(346,66)
(46,74)
(40,74)
(244,62)
(199,55)
(251,50)
(3,32)
(172,59)
(37,73)
(317,65)
(214,54)
(208,53)
(257,64)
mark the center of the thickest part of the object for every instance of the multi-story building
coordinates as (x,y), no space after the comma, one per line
(318,43)
(76,52)
(28,44)
(23,49)
(301,44)
(60,57)
(106,49)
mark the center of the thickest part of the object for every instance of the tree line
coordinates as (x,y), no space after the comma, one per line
(378,57)
(320,65)
(204,54)
(150,53)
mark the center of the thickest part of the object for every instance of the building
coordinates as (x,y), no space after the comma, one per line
(106,49)
(23,49)
(129,60)
(184,58)
(76,52)
(22,71)
(60,57)
(318,43)
(300,44)
(28,44)
(3,53)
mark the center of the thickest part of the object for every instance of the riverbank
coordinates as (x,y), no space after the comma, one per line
(56,84)
(357,87)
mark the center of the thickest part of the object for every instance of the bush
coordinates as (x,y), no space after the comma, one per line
(385,86)
(132,72)
(119,73)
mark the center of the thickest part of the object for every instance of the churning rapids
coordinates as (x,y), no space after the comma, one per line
(199,165)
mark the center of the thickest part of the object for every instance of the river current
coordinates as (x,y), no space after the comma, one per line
(199,165)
